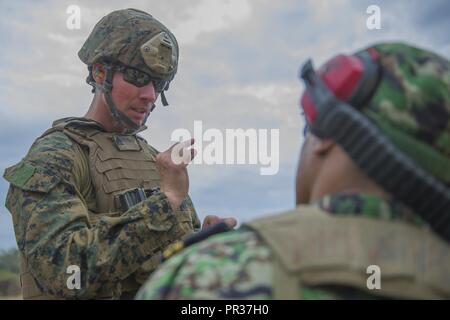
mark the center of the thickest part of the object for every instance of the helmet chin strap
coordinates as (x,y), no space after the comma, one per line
(163,98)
(146,116)
(120,117)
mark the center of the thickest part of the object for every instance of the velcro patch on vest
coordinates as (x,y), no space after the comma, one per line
(126,142)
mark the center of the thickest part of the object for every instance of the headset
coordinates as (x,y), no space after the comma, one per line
(331,102)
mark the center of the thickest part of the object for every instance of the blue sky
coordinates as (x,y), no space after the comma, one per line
(238,69)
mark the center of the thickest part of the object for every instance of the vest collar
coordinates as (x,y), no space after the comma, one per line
(91,123)
(368,205)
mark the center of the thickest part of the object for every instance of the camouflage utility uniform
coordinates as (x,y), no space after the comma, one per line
(324,250)
(64,194)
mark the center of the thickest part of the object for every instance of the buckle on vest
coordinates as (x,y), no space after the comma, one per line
(130,198)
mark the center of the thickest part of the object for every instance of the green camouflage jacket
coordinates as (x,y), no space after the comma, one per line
(239,265)
(51,200)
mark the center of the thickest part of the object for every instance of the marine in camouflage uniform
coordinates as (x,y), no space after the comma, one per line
(322,249)
(64,194)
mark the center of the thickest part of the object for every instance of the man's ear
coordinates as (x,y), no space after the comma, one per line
(322,146)
(98,72)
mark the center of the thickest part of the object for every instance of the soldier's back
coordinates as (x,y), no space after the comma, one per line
(306,254)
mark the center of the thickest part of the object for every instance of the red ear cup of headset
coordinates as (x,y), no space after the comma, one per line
(347,77)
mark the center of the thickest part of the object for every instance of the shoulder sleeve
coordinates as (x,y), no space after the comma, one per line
(235,265)
(188,206)
(40,170)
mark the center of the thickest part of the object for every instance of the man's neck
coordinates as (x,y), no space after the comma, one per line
(98,111)
(343,180)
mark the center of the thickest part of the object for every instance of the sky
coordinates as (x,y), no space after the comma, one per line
(238,68)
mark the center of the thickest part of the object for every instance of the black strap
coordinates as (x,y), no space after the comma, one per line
(163,99)
(119,116)
(377,156)
(116,113)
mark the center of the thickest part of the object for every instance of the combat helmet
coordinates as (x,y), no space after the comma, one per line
(136,44)
(388,107)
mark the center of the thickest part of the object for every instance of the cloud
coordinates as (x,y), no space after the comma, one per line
(209,16)
(244,194)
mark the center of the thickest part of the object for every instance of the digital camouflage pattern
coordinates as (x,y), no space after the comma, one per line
(411,106)
(119,36)
(51,198)
(239,265)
